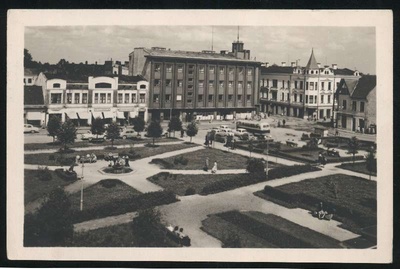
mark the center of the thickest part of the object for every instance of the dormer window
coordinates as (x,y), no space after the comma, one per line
(56,85)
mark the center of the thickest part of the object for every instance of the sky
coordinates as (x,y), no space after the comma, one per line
(350,47)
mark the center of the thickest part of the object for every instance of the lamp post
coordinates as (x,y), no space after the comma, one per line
(83,165)
(267,161)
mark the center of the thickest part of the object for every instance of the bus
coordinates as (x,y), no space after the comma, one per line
(254,126)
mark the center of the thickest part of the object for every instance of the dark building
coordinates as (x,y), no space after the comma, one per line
(188,83)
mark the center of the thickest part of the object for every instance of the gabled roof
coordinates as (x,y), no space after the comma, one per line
(364,86)
(312,63)
(343,71)
(33,95)
(31,72)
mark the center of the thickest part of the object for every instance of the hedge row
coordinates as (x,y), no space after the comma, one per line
(163,163)
(248,179)
(66,176)
(123,206)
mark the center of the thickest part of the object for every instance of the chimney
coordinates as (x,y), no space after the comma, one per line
(319,65)
(293,64)
(266,64)
(334,66)
(283,63)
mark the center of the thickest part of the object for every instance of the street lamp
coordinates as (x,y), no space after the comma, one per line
(83,165)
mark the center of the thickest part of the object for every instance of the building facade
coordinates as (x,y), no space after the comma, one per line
(113,99)
(356,108)
(34,108)
(186,84)
(305,92)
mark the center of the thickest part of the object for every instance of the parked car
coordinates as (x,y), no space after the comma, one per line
(264,137)
(220,138)
(224,127)
(240,132)
(225,132)
(29,128)
(131,134)
(89,136)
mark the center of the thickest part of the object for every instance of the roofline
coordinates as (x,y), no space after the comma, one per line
(201,58)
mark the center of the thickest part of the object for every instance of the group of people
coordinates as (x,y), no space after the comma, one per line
(323,213)
(207,164)
(115,160)
(322,159)
(90,158)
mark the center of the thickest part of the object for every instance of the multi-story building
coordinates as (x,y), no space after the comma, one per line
(305,92)
(113,99)
(357,104)
(189,83)
(34,107)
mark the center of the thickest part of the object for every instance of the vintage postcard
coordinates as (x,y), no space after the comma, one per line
(183,135)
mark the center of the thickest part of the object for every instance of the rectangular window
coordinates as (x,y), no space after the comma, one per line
(69,98)
(267,82)
(231,71)
(109,98)
(221,84)
(211,84)
(240,70)
(156,98)
(240,84)
(180,68)
(189,101)
(344,104)
(283,84)
(77,97)
(191,66)
(190,80)
(322,85)
(212,70)
(230,84)
(120,98)
(275,83)
(167,98)
(84,98)
(248,98)
(126,98)
(201,69)
(102,98)
(316,85)
(178,97)
(283,97)
(329,86)
(168,83)
(306,99)
(156,82)
(221,70)
(361,106)
(189,94)
(230,98)
(220,98)
(322,99)
(295,84)
(301,85)
(169,68)
(29,80)
(201,83)
(311,99)
(157,67)
(56,98)
(295,97)
(311,85)
(210,98)
(133,98)
(180,83)
(249,85)
(142,98)
(200,98)
(301,98)
(288,97)
(329,99)
(354,106)
(249,72)
(239,98)
(96,98)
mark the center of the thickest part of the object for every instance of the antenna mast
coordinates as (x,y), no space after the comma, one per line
(212,38)
(238,34)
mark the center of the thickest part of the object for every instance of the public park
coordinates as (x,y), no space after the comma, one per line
(203,183)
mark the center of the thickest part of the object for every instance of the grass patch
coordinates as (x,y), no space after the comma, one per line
(34,188)
(255,229)
(205,184)
(353,198)
(55,159)
(114,236)
(359,167)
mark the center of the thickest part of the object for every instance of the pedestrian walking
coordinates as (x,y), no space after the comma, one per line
(234,143)
(206,164)
(182,133)
(215,168)
(283,122)
(207,142)
(127,161)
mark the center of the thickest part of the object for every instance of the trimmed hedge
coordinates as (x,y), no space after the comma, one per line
(249,179)
(123,206)
(163,163)
(66,176)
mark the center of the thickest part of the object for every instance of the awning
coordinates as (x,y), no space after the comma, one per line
(133,114)
(72,115)
(97,115)
(108,114)
(120,115)
(34,116)
(84,115)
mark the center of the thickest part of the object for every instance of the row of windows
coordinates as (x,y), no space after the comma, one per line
(299,84)
(156,98)
(99,98)
(310,99)
(354,106)
(168,83)
(191,69)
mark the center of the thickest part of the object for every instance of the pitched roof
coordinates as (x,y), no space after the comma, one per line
(343,71)
(277,69)
(33,95)
(364,86)
(312,63)
(193,55)
(30,72)
(130,79)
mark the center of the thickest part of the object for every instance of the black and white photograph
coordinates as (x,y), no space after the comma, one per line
(200,135)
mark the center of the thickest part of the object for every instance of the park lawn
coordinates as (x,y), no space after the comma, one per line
(98,195)
(69,158)
(86,143)
(35,188)
(256,229)
(121,235)
(355,199)
(359,167)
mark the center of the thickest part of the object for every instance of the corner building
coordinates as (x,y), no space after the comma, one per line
(188,84)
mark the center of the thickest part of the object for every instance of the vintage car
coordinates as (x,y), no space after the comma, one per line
(29,128)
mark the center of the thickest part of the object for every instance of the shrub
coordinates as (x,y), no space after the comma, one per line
(190,191)
(255,165)
(44,174)
(66,176)
(109,183)
(163,163)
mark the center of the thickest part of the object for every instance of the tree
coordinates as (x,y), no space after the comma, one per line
(256,166)
(53,126)
(175,124)
(154,130)
(353,145)
(52,224)
(145,227)
(97,127)
(67,133)
(192,130)
(113,132)
(138,124)
(27,58)
(371,162)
